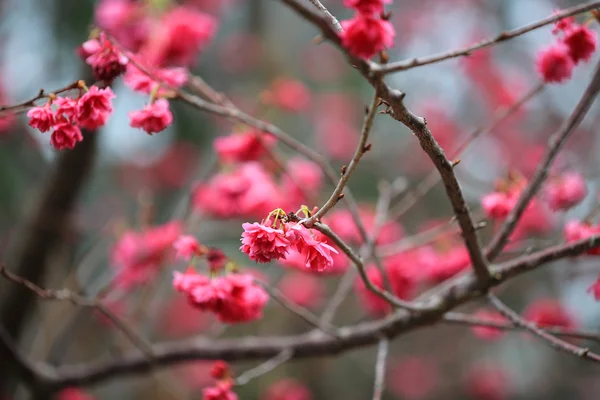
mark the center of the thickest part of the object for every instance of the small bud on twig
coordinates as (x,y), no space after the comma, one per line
(344,168)
(367,147)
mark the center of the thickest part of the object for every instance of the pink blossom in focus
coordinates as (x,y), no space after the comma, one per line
(249,145)
(66,107)
(222,391)
(488,382)
(153,118)
(41,118)
(312,246)
(565,191)
(94,107)
(65,135)
(554,63)
(287,389)
(289,95)
(488,333)
(186,247)
(106,60)
(365,36)
(367,6)
(581,41)
(303,289)
(263,243)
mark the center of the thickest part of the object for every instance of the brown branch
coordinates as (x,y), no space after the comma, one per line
(547,338)
(23,106)
(380,365)
(332,20)
(504,36)
(264,368)
(555,144)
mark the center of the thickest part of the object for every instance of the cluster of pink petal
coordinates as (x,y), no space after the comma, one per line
(577,230)
(556,62)
(139,81)
(106,60)
(248,145)
(287,389)
(223,390)
(153,118)
(264,243)
(366,35)
(566,191)
(90,111)
(139,256)
(233,298)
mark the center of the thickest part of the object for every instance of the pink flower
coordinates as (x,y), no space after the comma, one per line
(287,389)
(554,63)
(73,394)
(246,300)
(581,42)
(106,60)
(219,370)
(65,135)
(289,95)
(222,391)
(178,318)
(186,247)
(303,289)
(373,303)
(365,36)
(369,7)
(41,118)
(153,118)
(488,333)
(549,313)
(497,205)
(263,243)
(94,107)
(449,263)
(565,191)
(66,107)
(313,247)
(248,145)
(188,280)
(487,382)
(302,179)
(595,289)
(181,35)
(125,20)
(562,24)
(139,81)
(576,230)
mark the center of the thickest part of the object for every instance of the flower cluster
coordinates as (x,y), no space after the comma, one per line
(367,33)
(106,60)
(222,390)
(273,239)
(575,43)
(66,116)
(233,298)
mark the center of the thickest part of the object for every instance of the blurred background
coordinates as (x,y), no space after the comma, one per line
(135,180)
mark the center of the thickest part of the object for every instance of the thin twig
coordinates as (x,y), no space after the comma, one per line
(332,20)
(555,144)
(342,291)
(382,354)
(264,368)
(23,106)
(547,338)
(504,36)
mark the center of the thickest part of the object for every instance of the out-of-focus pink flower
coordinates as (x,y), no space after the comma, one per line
(106,60)
(301,180)
(139,255)
(565,191)
(369,7)
(289,95)
(73,394)
(336,137)
(249,145)
(413,378)
(497,205)
(549,313)
(365,36)
(488,382)
(186,247)
(581,41)
(449,263)
(373,303)
(41,118)
(153,118)
(303,289)
(178,39)
(220,370)
(576,230)
(554,63)
(125,20)
(94,107)
(263,243)
(342,223)
(595,289)
(139,81)
(179,318)
(65,135)
(287,389)
(216,259)
(485,332)
(222,391)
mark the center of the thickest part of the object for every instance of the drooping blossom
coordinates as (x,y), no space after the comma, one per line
(139,81)
(486,332)
(312,246)
(263,243)
(66,107)
(186,247)
(488,382)
(106,60)
(94,107)
(183,32)
(365,36)
(287,389)
(368,7)
(497,205)
(577,230)
(65,135)
(248,145)
(153,118)
(566,191)
(554,63)
(303,289)
(581,41)
(139,256)
(549,313)
(41,118)
(289,95)
(223,390)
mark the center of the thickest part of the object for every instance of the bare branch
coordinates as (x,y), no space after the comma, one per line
(332,20)
(23,106)
(264,368)
(382,354)
(502,37)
